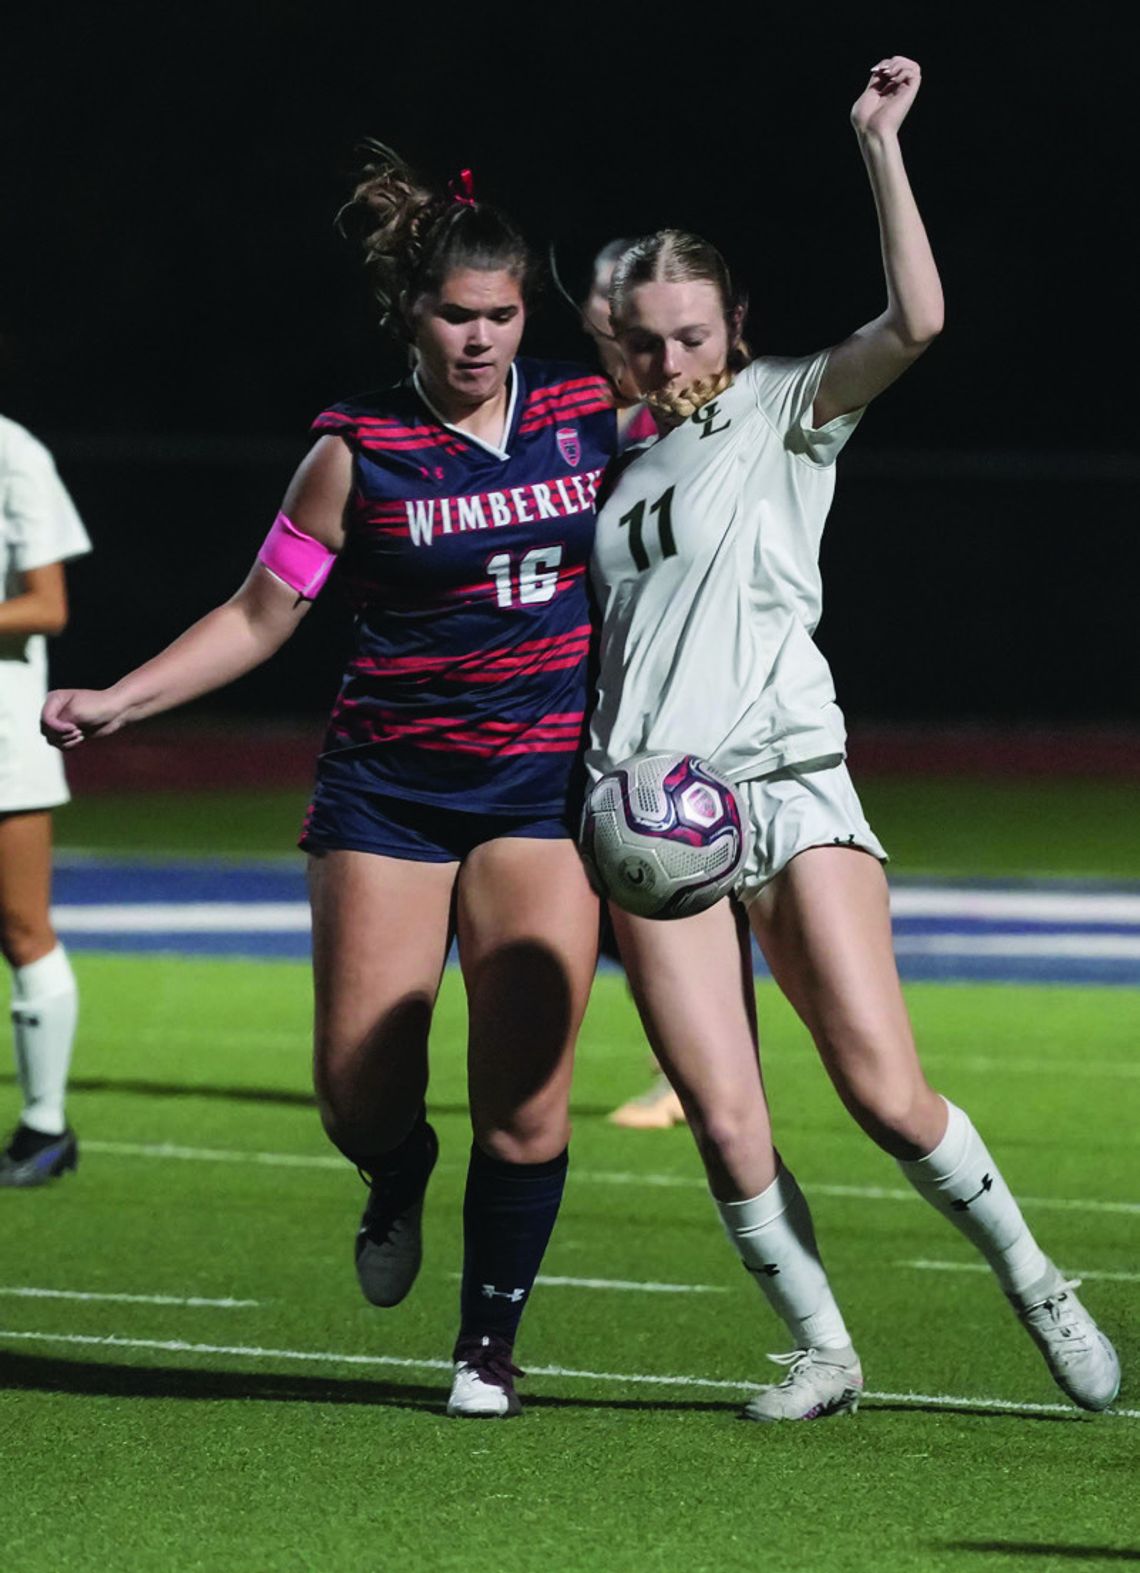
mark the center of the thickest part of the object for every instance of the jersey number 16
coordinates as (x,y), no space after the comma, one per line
(536,579)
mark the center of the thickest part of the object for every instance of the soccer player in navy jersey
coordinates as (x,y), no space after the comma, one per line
(460,505)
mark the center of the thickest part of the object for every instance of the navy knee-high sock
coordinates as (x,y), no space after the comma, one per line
(508,1214)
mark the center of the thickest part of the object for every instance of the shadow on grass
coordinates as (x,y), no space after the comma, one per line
(282,1096)
(89,1379)
(1033,1548)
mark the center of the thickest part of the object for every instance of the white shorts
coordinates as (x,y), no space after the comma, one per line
(797,808)
(31,771)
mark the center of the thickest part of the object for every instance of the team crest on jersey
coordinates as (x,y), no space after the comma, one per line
(569,444)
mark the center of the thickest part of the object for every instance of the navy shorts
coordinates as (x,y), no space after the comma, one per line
(343,818)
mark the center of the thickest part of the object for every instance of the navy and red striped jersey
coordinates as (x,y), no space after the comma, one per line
(467,568)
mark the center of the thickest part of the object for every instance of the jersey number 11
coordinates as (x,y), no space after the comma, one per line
(635,518)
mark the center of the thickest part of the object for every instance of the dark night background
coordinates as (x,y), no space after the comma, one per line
(177,306)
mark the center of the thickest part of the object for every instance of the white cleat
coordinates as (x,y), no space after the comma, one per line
(483,1387)
(1082,1362)
(820,1382)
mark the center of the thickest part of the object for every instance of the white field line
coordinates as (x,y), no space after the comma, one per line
(21,1293)
(633,1378)
(629,1284)
(1011,906)
(192,917)
(184,917)
(982,1267)
(274,1160)
(1057,1203)
(1075,947)
(870,1193)
(867,1193)
(292,917)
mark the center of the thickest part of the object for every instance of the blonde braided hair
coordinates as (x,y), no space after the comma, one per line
(677,404)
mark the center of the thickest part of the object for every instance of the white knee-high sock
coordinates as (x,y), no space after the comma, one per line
(773,1234)
(963,1182)
(45,1008)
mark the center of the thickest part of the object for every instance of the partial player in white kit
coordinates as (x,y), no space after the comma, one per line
(658,1108)
(39,531)
(706,564)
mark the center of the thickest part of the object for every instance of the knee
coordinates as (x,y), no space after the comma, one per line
(24,937)
(905,1119)
(536,1132)
(729,1138)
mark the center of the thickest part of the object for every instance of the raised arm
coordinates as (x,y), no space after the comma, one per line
(230,640)
(870,360)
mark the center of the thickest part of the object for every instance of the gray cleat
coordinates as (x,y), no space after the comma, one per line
(389,1242)
(820,1382)
(1080,1358)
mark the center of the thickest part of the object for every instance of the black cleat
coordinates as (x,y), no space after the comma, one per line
(389,1242)
(33,1158)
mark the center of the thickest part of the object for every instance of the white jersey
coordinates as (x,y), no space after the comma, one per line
(706,565)
(38,526)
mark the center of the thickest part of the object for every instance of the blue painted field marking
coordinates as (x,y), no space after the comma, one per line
(1062,931)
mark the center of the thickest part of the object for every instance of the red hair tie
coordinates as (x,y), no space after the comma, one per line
(462,188)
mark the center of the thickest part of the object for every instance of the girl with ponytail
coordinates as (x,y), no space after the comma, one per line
(458,507)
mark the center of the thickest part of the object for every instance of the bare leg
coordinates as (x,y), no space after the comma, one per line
(527,923)
(380,937)
(692,979)
(528,926)
(825,929)
(26,933)
(824,924)
(44,1001)
(693,986)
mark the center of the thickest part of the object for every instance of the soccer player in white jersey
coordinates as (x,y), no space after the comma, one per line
(39,531)
(706,567)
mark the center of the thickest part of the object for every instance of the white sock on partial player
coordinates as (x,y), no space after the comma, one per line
(773,1234)
(45,1008)
(962,1181)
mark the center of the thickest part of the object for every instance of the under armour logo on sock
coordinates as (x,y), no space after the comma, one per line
(962,1205)
(24,1018)
(513,1295)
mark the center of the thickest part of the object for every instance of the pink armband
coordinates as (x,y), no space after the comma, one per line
(295,558)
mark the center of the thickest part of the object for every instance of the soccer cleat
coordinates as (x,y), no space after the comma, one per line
(389,1242)
(1082,1361)
(819,1382)
(33,1158)
(656,1110)
(483,1387)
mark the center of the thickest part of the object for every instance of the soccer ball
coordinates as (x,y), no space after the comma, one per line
(662,835)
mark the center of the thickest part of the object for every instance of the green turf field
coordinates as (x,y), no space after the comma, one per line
(952,825)
(276,1435)
(301,1429)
